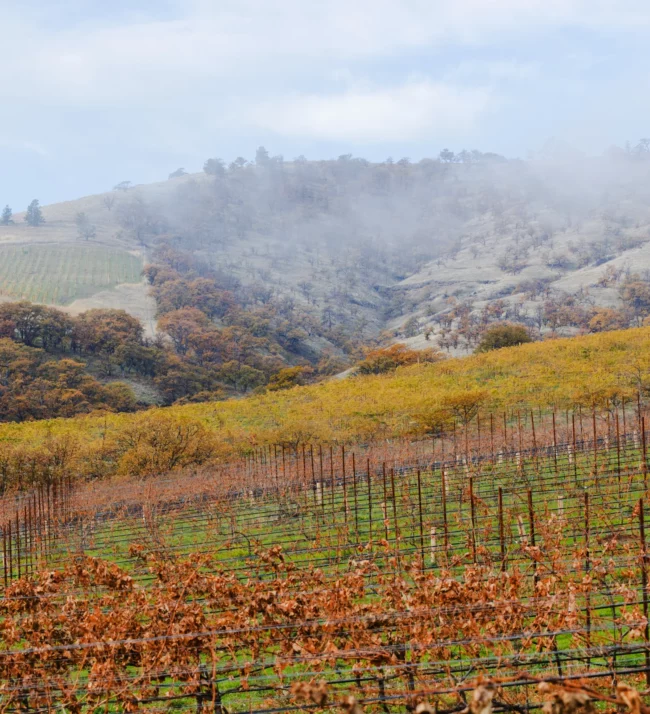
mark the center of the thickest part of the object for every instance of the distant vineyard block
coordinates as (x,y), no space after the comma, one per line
(58,275)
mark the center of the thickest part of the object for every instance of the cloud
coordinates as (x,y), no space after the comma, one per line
(164,73)
(493,71)
(148,54)
(404,113)
(30,147)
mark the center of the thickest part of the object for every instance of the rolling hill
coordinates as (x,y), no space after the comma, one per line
(397,250)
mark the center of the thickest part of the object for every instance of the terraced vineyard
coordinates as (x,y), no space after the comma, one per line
(509,552)
(60,274)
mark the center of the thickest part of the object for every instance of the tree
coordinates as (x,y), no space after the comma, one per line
(261,156)
(157,442)
(466,404)
(635,293)
(34,322)
(289,377)
(122,186)
(109,201)
(505,335)
(34,215)
(398,355)
(85,228)
(181,324)
(605,318)
(135,216)
(411,327)
(215,167)
(177,174)
(7,216)
(103,330)
(201,293)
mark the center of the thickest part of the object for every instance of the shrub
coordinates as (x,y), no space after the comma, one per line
(156,443)
(505,335)
(397,355)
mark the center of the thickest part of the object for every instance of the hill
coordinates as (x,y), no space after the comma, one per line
(351,251)
(596,370)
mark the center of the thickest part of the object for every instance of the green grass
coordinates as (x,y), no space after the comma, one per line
(60,274)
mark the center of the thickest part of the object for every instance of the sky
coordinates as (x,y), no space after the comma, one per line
(97,92)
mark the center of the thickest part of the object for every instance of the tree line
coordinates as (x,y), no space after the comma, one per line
(33,215)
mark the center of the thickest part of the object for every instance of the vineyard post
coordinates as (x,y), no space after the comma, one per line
(623,405)
(303,485)
(48,518)
(473,517)
(467,443)
(41,521)
(492,436)
(4,553)
(575,455)
(554,442)
(33,552)
(345,487)
(644,586)
(354,491)
(369,504)
(520,457)
(11,560)
(332,483)
(535,457)
(587,571)
(444,508)
(322,481)
(35,521)
(618,456)
(593,417)
(501,533)
(421,522)
(28,546)
(505,433)
(313,476)
(18,545)
(27,518)
(644,462)
(383,473)
(397,532)
(532,424)
(455,445)
(55,508)
(275,465)
(531,521)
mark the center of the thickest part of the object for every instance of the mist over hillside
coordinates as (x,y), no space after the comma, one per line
(266,273)
(414,248)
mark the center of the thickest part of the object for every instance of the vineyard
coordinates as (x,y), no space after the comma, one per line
(457,572)
(60,274)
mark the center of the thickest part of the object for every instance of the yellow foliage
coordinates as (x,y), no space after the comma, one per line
(412,400)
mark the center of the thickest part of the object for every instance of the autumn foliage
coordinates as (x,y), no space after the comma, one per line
(387,359)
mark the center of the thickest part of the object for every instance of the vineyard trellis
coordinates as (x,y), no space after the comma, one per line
(511,550)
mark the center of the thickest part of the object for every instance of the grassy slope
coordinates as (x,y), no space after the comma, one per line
(559,372)
(85,289)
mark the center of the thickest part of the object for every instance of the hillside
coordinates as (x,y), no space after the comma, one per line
(349,250)
(596,370)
